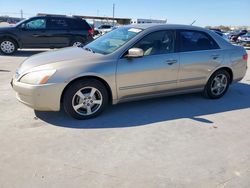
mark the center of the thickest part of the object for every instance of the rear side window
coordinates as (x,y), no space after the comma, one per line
(78,24)
(196,41)
(57,23)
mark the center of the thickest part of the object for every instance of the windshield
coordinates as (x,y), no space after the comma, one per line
(20,22)
(113,40)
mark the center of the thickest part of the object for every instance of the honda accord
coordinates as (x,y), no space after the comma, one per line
(130,63)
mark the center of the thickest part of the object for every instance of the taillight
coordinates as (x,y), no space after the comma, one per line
(245,57)
(91,31)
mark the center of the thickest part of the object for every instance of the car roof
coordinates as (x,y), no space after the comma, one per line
(55,16)
(166,26)
(222,42)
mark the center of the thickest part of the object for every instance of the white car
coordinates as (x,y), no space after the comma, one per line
(104,29)
(244,40)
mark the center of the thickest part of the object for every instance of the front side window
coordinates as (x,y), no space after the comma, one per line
(160,42)
(196,41)
(39,23)
(113,40)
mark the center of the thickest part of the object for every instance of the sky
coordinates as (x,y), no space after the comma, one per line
(206,12)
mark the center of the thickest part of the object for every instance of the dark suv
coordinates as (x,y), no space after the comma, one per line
(45,32)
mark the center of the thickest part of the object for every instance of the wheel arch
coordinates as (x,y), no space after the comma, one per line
(76,38)
(110,94)
(12,38)
(228,69)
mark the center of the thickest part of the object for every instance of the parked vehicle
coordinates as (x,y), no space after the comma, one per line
(221,34)
(234,36)
(104,29)
(219,30)
(244,40)
(45,32)
(130,63)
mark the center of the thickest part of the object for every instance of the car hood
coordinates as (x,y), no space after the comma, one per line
(4,29)
(64,55)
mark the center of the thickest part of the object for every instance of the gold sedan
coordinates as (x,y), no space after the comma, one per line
(130,63)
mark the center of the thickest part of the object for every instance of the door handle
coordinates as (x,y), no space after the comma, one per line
(36,35)
(171,61)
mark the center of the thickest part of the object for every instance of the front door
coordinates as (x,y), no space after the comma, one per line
(155,72)
(33,33)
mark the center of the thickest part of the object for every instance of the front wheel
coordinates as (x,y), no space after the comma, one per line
(8,46)
(217,85)
(85,99)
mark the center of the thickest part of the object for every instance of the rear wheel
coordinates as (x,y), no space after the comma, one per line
(78,42)
(8,46)
(217,85)
(85,99)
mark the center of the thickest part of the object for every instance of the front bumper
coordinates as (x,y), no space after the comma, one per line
(45,97)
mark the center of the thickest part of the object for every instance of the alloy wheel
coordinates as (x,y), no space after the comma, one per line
(87,101)
(219,84)
(7,47)
(77,44)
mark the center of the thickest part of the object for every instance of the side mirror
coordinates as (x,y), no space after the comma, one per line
(135,52)
(23,26)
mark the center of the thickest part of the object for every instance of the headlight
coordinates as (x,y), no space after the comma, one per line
(37,77)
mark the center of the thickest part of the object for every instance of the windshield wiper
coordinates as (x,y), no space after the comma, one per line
(89,49)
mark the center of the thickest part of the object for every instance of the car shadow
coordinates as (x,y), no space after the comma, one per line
(145,112)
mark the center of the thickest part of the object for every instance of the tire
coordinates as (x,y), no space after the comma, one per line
(217,85)
(85,99)
(78,42)
(8,46)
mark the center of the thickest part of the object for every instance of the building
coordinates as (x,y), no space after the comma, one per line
(99,20)
(96,21)
(10,20)
(142,21)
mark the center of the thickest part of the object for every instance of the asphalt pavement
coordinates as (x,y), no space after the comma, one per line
(178,141)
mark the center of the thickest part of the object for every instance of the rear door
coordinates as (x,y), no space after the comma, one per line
(58,32)
(199,55)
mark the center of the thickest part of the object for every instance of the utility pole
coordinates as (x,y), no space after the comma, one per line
(21,12)
(113,14)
